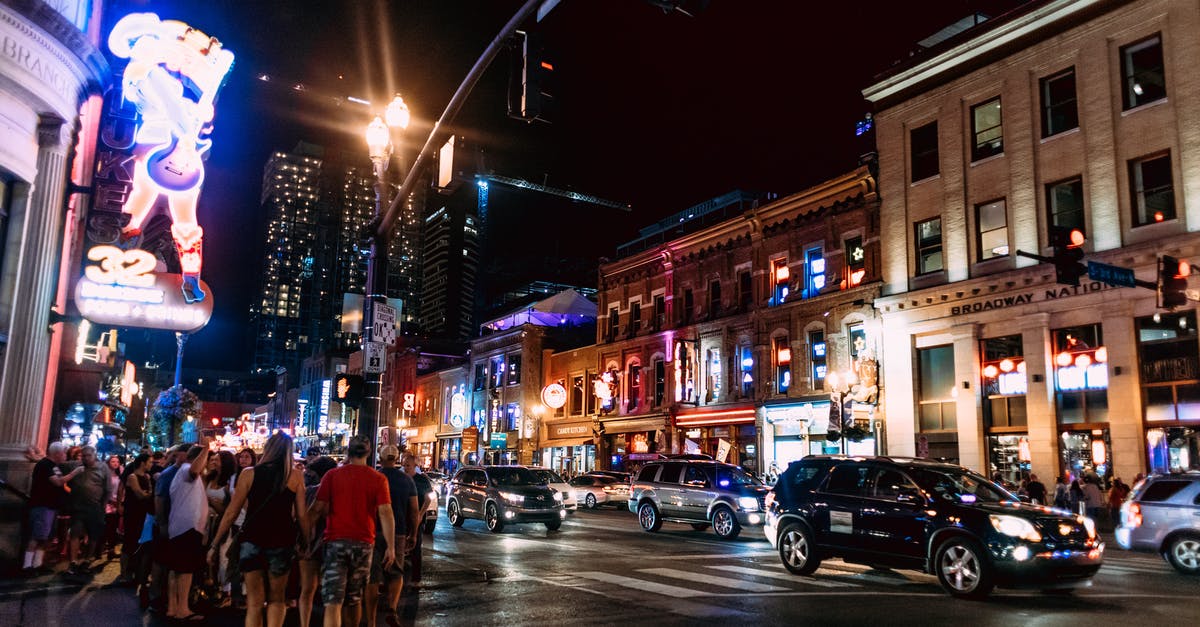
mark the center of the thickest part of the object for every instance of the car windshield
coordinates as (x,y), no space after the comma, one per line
(963,486)
(513,476)
(549,476)
(734,476)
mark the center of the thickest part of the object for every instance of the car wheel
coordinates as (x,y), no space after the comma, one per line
(590,501)
(1184,554)
(430,525)
(726,524)
(963,570)
(648,517)
(699,526)
(491,516)
(454,514)
(553,525)
(797,550)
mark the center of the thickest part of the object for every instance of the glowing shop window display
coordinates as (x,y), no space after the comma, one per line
(1082,370)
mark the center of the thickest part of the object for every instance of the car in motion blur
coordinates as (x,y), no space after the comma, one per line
(699,493)
(557,483)
(1162,515)
(596,490)
(938,518)
(501,495)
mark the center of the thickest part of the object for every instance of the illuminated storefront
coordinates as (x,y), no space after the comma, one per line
(1170,379)
(569,446)
(727,433)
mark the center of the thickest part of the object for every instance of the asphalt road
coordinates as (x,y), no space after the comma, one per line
(601,568)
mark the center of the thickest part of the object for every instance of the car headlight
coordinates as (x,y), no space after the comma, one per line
(748,502)
(1015,527)
(513,498)
(558,496)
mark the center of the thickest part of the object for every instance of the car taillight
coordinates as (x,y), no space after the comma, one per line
(1133,514)
(608,489)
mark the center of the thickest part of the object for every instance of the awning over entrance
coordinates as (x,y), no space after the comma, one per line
(644,423)
(716,416)
(568,442)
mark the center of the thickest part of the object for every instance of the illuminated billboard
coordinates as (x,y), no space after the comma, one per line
(123,290)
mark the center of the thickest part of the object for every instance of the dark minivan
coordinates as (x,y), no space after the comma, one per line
(938,518)
(500,495)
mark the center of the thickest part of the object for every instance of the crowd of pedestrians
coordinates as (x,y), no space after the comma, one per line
(197,529)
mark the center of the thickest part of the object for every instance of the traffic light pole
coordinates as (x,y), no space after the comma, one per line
(1151,285)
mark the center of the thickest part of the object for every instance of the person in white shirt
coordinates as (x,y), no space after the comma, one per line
(186,525)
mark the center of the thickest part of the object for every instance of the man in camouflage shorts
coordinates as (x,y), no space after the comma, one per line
(352,495)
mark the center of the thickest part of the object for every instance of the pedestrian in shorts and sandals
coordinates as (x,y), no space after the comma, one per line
(90,492)
(186,526)
(272,493)
(351,496)
(403,493)
(46,497)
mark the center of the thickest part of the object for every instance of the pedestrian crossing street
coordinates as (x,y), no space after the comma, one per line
(760,573)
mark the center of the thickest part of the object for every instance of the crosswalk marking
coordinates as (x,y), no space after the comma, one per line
(722,582)
(639,584)
(758,572)
(715,556)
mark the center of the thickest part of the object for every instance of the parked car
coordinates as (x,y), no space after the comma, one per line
(697,492)
(500,495)
(557,483)
(929,516)
(1162,515)
(439,481)
(623,477)
(596,490)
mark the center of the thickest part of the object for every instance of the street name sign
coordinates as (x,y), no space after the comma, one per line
(1112,275)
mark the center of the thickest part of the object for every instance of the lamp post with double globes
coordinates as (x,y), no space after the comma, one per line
(382,142)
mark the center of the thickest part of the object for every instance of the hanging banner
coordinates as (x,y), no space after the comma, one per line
(723,447)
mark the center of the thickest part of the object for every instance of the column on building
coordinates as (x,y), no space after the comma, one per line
(971,449)
(1039,400)
(900,381)
(1124,393)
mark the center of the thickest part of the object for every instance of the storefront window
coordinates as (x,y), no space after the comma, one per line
(936,400)
(1174,449)
(1169,366)
(1008,458)
(1085,452)
(1080,375)
(1004,384)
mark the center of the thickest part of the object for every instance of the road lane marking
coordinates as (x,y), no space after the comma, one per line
(758,572)
(713,556)
(671,601)
(640,584)
(721,582)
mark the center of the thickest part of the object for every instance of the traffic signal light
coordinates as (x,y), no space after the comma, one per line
(530,74)
(348,390)
(1068,254)
(216,422)
(1172,281)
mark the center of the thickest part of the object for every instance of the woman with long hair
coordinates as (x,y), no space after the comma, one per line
(216,486)
(310,557)
(245,458)
(137,503)
(112,509)
(272,493)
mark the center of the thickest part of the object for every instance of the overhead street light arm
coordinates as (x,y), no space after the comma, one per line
(439,133)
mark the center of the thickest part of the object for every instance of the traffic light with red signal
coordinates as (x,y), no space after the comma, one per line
(1172,281)
(348,390)
(1068,254)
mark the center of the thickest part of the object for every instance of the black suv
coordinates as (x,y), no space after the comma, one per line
(503,494)
(938,518)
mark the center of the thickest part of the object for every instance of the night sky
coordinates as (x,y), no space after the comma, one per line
(658,110)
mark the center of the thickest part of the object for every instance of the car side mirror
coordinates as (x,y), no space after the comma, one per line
(908,495)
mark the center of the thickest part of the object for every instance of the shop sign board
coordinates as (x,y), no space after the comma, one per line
(499,440)
(123,290)
(570,430)
(470,440)
(554,395)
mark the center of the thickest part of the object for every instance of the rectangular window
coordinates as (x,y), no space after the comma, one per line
(936,391)
(1169,365)
(781,276)
(783,365)
(714,299)
(857,334)
(689,306)
(745,291)
(987,129)
(514,370)
(634,381)
(497,367)
(1004,385)
(712,365)
(856,261)
(1153,192)
(929,246)
(746,370)
(1142,72)
(512,416)
(1059,109)
(660,313)
(923,144)
(660,382)
(577,393)
(635,318)
(480,376)
(1064,201)
(992,221)
(814,272)
(817,357)
(1080,374)
(614,322)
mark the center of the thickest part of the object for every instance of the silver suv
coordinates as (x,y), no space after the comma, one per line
(699,493)
(1163,515)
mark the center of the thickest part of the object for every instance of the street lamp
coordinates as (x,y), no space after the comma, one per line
(382,141)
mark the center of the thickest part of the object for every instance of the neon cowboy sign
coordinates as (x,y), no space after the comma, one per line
(123,290)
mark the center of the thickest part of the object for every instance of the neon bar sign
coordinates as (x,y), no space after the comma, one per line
(123,291)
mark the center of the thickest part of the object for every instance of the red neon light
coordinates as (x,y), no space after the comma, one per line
(716,417)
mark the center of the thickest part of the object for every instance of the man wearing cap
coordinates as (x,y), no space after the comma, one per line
(351,495)
(403,493)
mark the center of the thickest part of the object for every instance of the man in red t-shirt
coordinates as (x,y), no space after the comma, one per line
(352,495)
